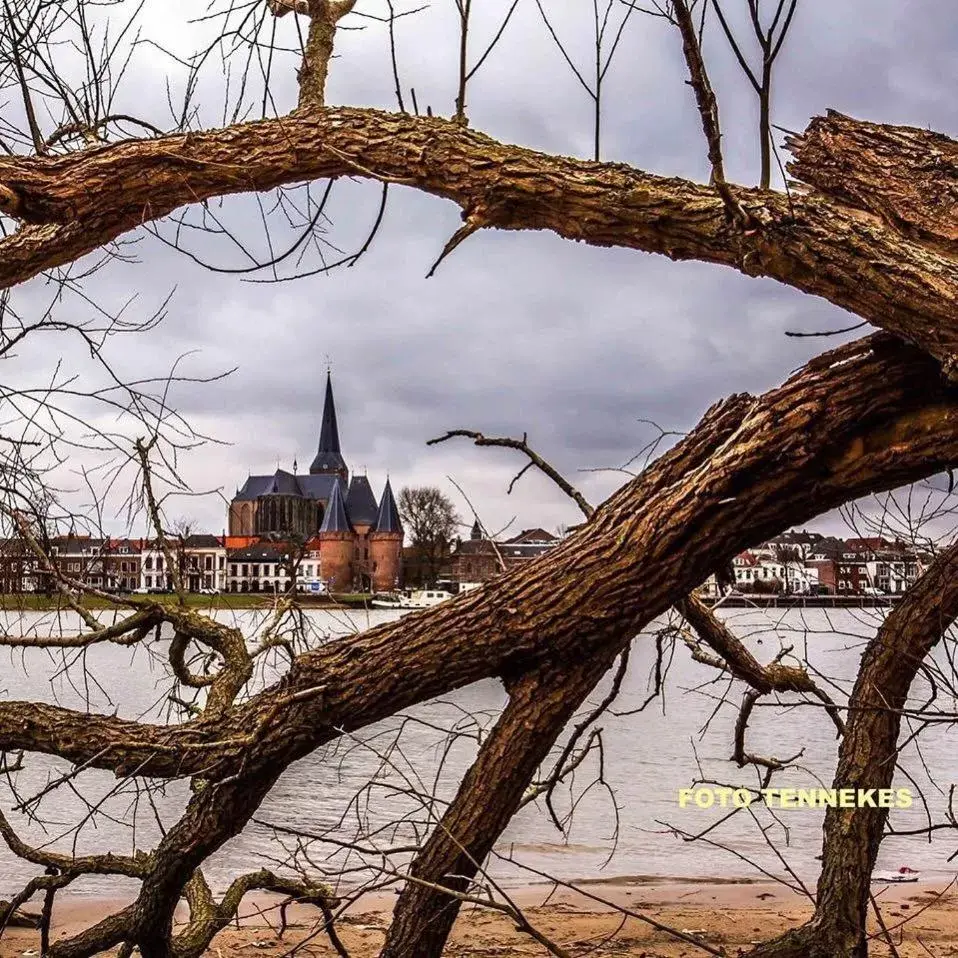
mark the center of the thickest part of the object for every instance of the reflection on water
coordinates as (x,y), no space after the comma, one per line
(379,785)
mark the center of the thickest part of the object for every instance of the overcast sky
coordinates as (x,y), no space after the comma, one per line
(517,331)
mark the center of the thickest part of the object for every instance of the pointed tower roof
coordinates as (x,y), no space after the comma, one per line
(328,456)
(335,518)
(388,518)
(360,502)
(476,531)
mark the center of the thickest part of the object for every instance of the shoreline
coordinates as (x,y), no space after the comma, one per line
(731,913)
(231,601)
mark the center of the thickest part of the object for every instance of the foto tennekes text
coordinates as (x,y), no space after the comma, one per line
(725,797)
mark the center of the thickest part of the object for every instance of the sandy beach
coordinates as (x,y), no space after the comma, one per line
(731,915)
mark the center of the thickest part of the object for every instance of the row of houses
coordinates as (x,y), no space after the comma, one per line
(479,558)
(795,563)
(809,563)
(226,563)
(207,563)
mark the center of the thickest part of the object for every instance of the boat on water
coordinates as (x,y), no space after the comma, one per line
(410,599)
(904,874)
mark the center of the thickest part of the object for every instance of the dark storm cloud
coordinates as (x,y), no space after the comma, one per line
(521,331)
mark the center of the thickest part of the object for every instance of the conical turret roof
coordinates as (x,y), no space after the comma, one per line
(388,518)
(335,518)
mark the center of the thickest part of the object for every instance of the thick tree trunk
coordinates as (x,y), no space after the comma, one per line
(867,759)
(856,260)
(905,176)
(540,704)
(867,416)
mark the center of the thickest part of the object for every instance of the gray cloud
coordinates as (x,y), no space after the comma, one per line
(516,331)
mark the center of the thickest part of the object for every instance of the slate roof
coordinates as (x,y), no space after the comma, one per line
(285,483)
(360,502)
(76,545)
(317,487)
(335,518)
(328,456)
(261,552)
(533,537)
(388,519)
(202,541)
(254,487)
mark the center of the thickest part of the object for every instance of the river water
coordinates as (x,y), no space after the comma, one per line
(374,788)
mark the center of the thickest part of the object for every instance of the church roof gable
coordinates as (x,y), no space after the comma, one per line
(317,487)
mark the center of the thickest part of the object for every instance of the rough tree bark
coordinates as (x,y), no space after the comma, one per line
(848,255)
(866,760)
(540,705)
(868,416)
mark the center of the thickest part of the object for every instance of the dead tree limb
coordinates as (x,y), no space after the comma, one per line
(867,760)
(522,445)
(708,111)
(869,415)
(80,202)
(539,706)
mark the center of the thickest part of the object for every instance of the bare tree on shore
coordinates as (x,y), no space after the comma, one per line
(431,523)
(863,232)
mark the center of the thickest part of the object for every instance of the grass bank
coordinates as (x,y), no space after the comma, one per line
(27,602)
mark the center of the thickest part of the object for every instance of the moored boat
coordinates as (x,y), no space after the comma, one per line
(410,599)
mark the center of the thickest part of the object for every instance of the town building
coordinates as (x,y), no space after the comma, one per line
(200,558)
(478,558)
(359,539)
(754,572)
(808,564)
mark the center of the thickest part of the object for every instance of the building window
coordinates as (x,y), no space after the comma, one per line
(148,580)
(148,562)
(208,564)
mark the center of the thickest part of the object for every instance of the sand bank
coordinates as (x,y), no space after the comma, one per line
(731,914)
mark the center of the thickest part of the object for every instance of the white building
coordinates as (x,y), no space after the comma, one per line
(201,559)
(754,573)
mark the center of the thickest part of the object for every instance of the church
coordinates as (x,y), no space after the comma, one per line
(358,540)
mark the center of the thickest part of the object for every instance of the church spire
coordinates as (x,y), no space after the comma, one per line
(329,433)
(329,459)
